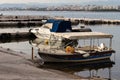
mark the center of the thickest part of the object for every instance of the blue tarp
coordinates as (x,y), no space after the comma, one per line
(60,25)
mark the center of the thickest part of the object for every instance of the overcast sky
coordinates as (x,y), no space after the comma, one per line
(46,1)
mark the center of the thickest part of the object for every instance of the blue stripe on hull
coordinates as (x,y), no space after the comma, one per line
(90,57)
(53,58)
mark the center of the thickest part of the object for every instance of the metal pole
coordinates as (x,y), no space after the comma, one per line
(109,74)
(93,43)
(90,74)
(114,58)
(98,42)
(110,45)
(90,44)
(32,54)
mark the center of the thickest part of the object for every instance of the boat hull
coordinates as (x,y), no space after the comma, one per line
(75,57)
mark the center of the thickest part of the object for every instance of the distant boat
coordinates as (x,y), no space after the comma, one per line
(61,44)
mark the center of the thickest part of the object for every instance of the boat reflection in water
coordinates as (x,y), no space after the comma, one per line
(89,70)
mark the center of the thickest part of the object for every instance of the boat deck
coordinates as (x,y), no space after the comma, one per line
(80,50)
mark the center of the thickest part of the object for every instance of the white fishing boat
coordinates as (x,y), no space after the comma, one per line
(65,45)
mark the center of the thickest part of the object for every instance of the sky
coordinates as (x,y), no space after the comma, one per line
(82,2)
(46,1)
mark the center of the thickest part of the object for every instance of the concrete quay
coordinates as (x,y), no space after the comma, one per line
(18,66)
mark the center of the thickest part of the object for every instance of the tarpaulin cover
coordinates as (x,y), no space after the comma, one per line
(60,25)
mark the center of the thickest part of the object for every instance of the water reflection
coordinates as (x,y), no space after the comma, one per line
(86,69)
(13,40)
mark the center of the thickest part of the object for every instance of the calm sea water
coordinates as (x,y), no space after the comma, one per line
(70,14)
(25,47)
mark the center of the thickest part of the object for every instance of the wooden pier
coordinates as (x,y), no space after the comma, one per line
(29,21)
(21,21)
(88,21)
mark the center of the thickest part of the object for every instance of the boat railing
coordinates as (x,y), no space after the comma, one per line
(93,48)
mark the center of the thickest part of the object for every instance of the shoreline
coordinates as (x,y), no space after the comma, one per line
(19,66)
(16,65)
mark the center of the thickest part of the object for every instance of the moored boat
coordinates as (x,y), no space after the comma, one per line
(47,30)
(61,44)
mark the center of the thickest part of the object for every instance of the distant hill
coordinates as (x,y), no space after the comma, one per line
(8,5)
(84,2)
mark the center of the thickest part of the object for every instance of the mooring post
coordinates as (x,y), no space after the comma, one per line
(109,73)
(32,54)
